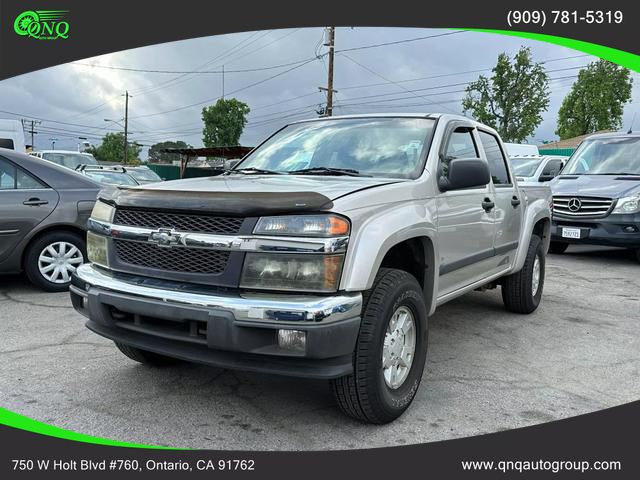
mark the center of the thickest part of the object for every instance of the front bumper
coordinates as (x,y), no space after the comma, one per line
(608,231)
(224,329)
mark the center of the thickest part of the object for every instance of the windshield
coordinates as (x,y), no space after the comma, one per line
(606,156)
(379,147)
(111,178)
(70,160)
(525,167)
(144,175)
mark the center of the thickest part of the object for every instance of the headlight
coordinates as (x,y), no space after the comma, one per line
(628,205)
(312,273)
(97,249)
(103,212)
(303,225)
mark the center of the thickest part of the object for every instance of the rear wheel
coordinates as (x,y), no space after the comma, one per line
(558,247)
(521,291)
(390,353)
(145,357)
(51,259)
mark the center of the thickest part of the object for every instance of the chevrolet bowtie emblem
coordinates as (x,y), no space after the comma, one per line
(164,237)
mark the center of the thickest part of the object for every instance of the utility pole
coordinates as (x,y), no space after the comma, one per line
(328,111)
(223,82)
(32,129)
(126,125)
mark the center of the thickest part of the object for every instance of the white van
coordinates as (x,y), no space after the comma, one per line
(12,135)
(519,149)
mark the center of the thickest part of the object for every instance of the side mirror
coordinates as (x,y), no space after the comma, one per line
(465,173)
(546,177)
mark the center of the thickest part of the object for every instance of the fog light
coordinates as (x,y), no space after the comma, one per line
(85,302)
(294,340)
(630,229)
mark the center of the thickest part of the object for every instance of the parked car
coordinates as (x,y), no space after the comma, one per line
(320,255)
(43,217)
(66,158)
(12,135)
(143,175)
(108,175)
(596,200)
(537,168)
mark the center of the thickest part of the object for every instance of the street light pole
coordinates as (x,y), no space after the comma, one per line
(126,124)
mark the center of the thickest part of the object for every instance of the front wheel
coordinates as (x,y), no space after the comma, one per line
(638,254)
(145,357)
(390,353)
(521,291)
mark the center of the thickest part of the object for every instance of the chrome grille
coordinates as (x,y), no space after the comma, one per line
(576,206)
(173,259)
(185,222)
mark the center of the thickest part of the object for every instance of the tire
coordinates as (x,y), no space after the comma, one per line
(638,254)
(38,254)
(517,289)
(145,357)
(366,395)
(558,247)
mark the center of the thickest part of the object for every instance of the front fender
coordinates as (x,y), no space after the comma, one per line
(375,230)
(536,211)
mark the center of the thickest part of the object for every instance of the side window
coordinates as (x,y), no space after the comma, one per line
(7,175)
(552,167)
(25,181)
(459,145)
(11,178)
(495,158)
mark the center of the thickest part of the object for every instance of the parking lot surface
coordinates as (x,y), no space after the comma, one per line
(487,370)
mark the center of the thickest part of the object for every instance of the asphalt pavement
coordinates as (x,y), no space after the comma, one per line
(487,370)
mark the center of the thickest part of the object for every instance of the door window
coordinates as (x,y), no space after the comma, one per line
(12,178)
(495,158)
(459,145)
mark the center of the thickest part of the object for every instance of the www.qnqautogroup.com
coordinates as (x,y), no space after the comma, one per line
(554,466)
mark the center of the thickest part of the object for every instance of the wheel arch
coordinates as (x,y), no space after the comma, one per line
(70,228)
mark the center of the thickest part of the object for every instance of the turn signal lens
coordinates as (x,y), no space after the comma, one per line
(303,225)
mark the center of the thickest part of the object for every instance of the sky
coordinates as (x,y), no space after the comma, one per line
(277,73)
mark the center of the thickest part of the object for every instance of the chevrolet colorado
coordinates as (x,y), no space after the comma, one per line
(321,254)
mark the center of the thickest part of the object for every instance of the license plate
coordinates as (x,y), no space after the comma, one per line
(571,233)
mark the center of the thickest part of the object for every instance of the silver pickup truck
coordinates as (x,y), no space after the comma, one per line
(321,254)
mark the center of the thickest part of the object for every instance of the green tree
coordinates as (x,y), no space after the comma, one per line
(157,155)
(596,100)
(513,99)
(112,149)
(224,122)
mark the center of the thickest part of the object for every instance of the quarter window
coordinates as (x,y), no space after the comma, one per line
(495,158)
(12,178)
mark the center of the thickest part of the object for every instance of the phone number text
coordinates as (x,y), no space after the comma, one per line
(541,17)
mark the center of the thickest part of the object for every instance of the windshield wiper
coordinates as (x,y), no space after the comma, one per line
(621,173)
(328,171)
(253,170)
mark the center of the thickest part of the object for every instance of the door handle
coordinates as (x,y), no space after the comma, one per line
(35,202)
(515,201)
(487,204)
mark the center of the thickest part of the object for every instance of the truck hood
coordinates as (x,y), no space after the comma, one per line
(247,195)
(613,186)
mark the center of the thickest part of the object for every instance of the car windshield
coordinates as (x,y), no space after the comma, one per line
(379,147)
(144,175)
(606,156)
(70,160)
(111,178)
(525,167)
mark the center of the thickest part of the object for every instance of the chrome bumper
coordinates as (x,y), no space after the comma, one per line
(249,307)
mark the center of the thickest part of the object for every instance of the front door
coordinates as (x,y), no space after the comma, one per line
(466,225)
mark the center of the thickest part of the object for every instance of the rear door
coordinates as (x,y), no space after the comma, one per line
(508,204)
(465,226)
(24,202)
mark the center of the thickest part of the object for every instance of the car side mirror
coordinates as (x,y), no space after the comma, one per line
(465,173)
(546,177)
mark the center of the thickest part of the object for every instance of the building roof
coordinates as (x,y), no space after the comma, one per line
(569,142)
